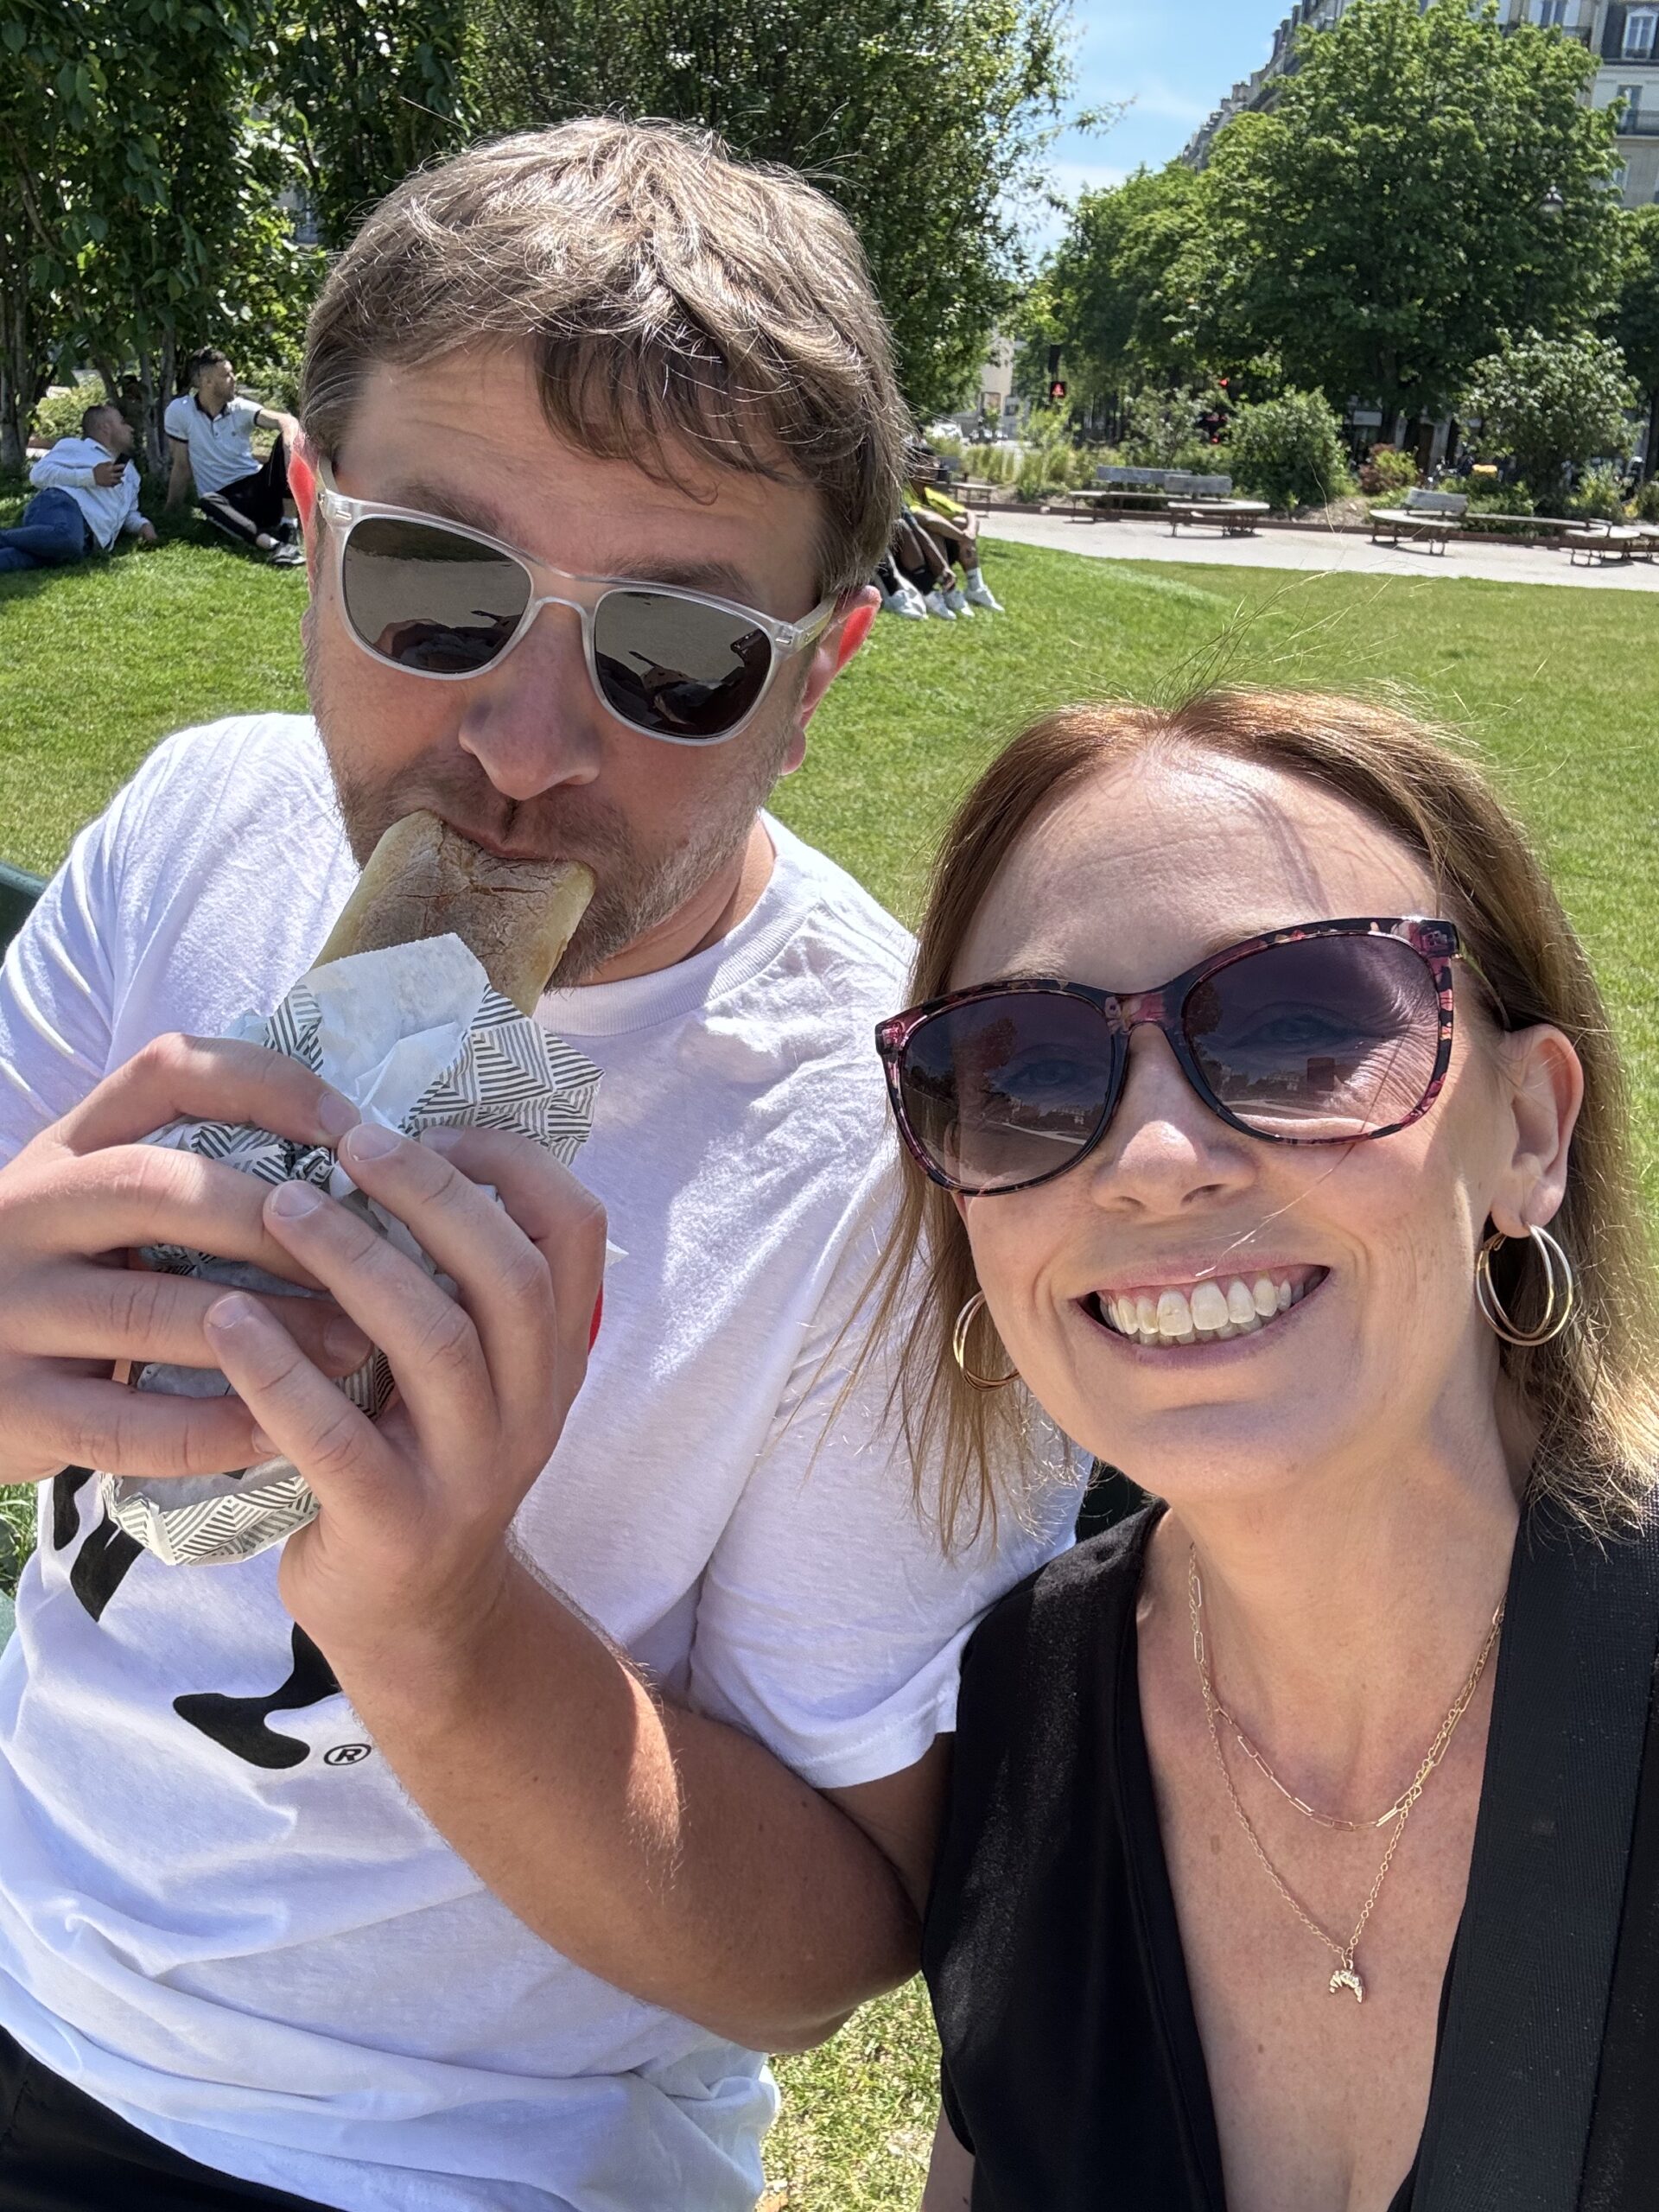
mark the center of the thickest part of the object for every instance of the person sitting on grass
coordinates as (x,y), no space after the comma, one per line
(87,494)
(915,576)
(210,431)
(952,529)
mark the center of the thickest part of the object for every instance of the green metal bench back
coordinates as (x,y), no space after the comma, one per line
(18,892)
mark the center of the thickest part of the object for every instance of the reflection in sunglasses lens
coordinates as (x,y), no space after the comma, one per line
(1326,1037)
(1008,1088)
(676,667)
(424,598)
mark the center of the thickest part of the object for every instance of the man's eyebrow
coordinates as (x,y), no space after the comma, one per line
(720,579)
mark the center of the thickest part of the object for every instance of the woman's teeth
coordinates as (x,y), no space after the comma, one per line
(1208,1313)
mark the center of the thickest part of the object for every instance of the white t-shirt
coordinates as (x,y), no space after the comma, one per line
(221,451)
(218,1914)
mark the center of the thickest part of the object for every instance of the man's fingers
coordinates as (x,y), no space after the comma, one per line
(82,1423)
(206,1079)
(333,1445)
(132,1195)
(430,1341)
(529,1269)
(80,1312)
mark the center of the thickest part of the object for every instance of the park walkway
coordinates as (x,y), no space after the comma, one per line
(1339,553)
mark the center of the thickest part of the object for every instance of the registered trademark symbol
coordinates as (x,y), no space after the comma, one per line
(346,1754)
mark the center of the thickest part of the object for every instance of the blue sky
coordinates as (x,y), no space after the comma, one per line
(1174,59)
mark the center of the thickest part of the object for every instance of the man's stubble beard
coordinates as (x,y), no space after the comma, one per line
(636,891)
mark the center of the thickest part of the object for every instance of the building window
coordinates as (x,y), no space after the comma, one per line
(1550,14)
(1639,26)
(1631,96)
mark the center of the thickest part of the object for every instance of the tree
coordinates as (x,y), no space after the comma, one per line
(925,123)
(1112,294)
(149,190)
(364,91)
(1424,181)
(1552,403)
(1636,322)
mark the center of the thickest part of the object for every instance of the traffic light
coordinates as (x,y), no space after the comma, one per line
(1056,390)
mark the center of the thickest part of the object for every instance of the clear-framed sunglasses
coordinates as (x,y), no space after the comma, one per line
(439,600)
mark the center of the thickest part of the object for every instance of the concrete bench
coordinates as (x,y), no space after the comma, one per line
(1428,517)
(1598,542)
(969,492)
(1233,517)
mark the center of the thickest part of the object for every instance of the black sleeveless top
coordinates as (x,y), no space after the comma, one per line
(1072,2067)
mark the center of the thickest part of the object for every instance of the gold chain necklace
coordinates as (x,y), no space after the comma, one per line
(1347,1976)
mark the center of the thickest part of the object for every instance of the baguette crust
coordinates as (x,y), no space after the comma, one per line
(425,879)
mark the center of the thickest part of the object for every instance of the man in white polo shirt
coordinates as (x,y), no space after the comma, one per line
(86,496)
(210,431)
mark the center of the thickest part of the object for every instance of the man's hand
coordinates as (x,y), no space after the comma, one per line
(75,1202)
(106,474)
(146,535)
(416,1506)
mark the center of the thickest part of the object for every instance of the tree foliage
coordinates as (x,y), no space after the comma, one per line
(925,122)
(1553,402)
(1425,180)
(1635,320)
(1113,294)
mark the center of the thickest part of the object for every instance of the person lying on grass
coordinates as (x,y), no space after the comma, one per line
(465,1856)
(85,496)
(1332,1244)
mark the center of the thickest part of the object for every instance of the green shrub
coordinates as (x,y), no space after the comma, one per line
(276,383)
(1646,507)
(1387,469)
(1500,500)
(1288,451)
(995,464)
(1599,497)
(59,414)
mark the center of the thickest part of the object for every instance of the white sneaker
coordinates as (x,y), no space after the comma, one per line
(934,604)
(956,600)
(905,602)
(978,592)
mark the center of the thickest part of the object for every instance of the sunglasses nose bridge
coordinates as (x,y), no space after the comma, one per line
(1132,1010)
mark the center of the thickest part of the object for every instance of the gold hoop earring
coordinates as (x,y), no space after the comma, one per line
(1560,1290)
(959,1347)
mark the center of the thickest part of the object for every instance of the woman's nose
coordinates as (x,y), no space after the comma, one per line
(1164,1147)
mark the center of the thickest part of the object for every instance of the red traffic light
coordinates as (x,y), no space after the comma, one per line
(1056,390)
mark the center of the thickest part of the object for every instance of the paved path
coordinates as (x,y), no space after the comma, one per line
(1339,553)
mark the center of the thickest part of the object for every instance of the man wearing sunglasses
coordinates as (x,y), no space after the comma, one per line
(600,439)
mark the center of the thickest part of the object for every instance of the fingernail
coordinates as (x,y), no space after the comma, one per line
(335,1115)
(292,1200)
(233,1311)
(368,1141)
(345,1340)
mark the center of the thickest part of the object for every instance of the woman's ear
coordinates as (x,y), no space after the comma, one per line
(1546,1091)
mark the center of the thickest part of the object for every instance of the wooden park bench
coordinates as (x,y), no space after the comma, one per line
(1598,542)
(1430,518)
(18,892)
(1233,517)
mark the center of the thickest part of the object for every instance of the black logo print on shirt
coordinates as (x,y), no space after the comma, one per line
(238,1725)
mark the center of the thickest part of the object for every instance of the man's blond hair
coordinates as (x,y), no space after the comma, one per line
(674,300)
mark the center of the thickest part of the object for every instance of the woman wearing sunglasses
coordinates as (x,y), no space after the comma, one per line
(1263,1128)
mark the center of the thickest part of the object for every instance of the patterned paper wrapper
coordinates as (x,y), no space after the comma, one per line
(417,1039)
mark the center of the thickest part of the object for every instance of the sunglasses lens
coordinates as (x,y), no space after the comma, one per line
(1006,1090)
(1321,1038)
(677,668)
(425,598)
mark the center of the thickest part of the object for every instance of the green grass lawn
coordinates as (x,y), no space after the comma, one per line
(1560,688)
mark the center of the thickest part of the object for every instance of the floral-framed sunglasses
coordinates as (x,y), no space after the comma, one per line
(1323,1034)
(441,600)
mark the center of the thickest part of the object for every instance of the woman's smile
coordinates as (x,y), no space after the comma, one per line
(1195,1311)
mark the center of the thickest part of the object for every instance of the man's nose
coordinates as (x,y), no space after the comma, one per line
(533,722)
